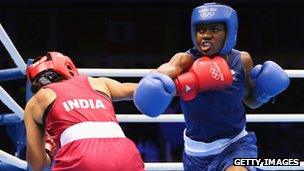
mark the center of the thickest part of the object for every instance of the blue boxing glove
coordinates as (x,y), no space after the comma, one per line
(269,79)
(154,94)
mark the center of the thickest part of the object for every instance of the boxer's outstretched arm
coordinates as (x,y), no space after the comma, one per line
(114,89)
(178,64)
(158,87)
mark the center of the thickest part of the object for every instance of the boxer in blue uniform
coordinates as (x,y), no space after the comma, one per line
(213,81)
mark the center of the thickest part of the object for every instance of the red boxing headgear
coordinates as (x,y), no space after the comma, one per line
(55,61)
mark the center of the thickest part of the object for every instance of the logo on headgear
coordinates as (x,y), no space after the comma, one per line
(216,72)
(205,13)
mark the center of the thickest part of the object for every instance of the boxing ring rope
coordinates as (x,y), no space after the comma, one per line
(116,72)
(11,104)
(8,44)
(135,118)
(143,72)
(8,158)
(179,166)
(19,72)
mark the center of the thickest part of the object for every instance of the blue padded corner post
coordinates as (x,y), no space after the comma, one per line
(11,118)
(11,74)
(9,167)
(28,91)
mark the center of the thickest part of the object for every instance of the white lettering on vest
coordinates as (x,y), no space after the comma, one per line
(83,103)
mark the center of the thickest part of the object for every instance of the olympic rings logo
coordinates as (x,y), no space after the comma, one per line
(216,72)
(205,13)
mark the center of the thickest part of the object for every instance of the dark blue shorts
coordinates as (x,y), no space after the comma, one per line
(245,147)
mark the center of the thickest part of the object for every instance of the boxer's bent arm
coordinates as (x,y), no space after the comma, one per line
(178,64)
(249,99)
(35,154)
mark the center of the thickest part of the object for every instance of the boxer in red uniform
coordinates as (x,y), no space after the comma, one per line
(71,120)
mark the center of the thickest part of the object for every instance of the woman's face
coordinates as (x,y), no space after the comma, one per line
(210,38)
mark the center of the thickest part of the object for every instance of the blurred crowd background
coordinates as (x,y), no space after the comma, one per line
(144,34)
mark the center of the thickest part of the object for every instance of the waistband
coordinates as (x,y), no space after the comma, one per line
(201,149)
(91,130)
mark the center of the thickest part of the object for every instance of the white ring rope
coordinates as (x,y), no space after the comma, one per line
(180,118)
(115,72)
(149,166)
(164,166)
(10,47)
(142,72)
(179,166)
(11,103)
(8,158)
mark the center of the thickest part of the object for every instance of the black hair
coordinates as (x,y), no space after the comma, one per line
(44,78)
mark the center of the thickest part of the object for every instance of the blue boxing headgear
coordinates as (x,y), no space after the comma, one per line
(214,12)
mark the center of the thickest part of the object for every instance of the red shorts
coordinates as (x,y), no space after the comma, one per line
(106,154)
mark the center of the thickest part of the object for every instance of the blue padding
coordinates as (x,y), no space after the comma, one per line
(9,167)
(11,74)
(11,118)
(30,169)
(18,136)
(47,169)
(29,92)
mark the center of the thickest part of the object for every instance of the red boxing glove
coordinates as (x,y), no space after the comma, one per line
(205,74)
(50,145)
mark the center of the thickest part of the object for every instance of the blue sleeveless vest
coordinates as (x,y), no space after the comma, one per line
(217,114)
